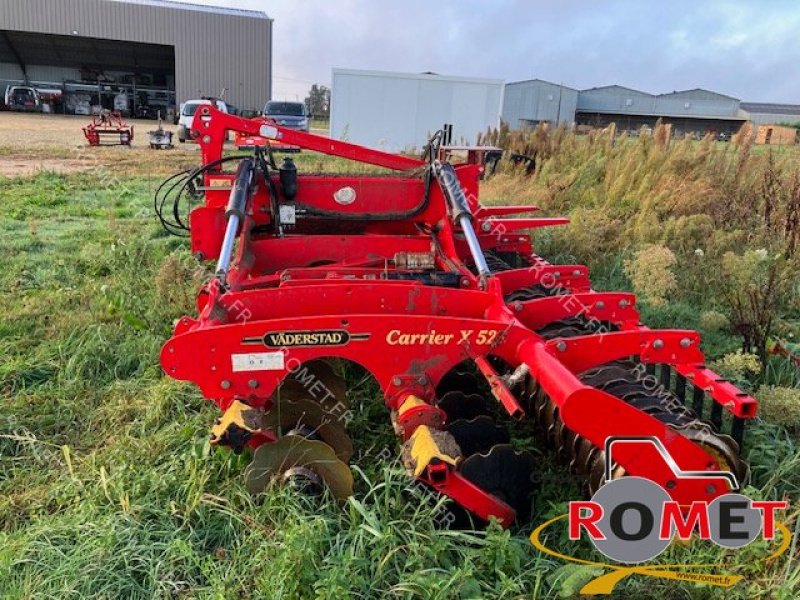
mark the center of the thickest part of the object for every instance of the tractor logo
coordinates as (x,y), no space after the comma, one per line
(631,520)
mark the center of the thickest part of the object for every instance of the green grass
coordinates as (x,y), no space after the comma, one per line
(320,124)
(109,489)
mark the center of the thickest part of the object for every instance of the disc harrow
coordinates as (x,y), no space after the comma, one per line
(445,303)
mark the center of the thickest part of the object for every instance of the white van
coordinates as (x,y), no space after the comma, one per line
(186,117)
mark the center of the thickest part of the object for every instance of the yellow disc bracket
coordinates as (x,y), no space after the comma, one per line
(236,426)
(414,412)
(427,445)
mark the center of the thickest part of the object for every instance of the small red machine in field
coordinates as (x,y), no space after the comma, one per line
(109,129)
(443,300)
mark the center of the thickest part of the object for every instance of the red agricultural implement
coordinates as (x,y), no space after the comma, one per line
(444,302)
(109,129)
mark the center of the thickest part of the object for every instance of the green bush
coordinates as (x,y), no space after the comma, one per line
(780,406)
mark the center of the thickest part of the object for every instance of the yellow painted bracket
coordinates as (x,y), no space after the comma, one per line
(424,449)
(238,415)
(410,402)
(414,412)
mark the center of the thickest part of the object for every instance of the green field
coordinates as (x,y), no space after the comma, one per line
(108,486)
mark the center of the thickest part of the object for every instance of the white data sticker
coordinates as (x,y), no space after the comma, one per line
(257,361)
(287,213)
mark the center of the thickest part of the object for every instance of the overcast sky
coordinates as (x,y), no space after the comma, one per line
(750,50)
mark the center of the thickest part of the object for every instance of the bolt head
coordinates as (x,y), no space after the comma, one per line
(576,273)
(422,380)
(686,342)
(562,346)
(396,381)
(600,304)
(225,384)
(253,384)
(623,303)
(486,226)
(658,344)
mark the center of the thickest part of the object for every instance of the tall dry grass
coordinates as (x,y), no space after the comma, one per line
(685,194)
(707,202)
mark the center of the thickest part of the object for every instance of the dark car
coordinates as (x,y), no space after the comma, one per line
(287,114)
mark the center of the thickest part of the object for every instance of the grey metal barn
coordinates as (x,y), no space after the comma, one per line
(528,103)
(768,112)
(697,111)
(187,49)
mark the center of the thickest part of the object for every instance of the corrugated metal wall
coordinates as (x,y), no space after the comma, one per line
(12,72)
(212,50)
(761,118)
(9,71)
(616,99)
(528,102)
(398,111)
(771,113)
(697,103)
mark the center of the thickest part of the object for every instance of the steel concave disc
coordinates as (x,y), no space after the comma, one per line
(505,473)
(316,380)
(273,461)
(458,405)
(286,415)
(478,434)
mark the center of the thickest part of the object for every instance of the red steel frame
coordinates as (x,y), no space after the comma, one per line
(108,125)
(323,276)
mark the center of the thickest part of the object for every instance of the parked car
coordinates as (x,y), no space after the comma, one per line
(288,114)
(23,97)
(187,111)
